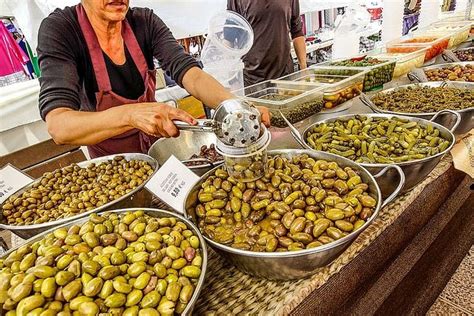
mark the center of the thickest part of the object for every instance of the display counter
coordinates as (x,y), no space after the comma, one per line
(417,215)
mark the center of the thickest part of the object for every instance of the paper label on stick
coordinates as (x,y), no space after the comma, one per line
(172,182)
(11,180)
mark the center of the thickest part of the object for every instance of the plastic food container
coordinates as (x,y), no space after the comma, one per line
(341,84)
(246,164)
(295,100)
(458,32)
(405,61)
(374,77)
(435,45)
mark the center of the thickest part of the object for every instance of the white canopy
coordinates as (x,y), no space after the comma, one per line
(185,18)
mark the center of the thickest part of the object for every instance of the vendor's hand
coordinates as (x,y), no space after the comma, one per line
(265,115)
(157,119)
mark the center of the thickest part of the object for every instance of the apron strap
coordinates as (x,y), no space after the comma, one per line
(95,51)
(134,49)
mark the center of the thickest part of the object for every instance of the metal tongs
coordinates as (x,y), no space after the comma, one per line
(235,123)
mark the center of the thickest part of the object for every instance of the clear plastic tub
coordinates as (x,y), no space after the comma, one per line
(374,76)
(412,43)
(295,100)
(405,61)
(341,84)
(458,32)
(246,164)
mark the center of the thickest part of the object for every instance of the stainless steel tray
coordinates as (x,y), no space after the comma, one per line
(467,115)
(154,213)
(292,265)
(27,231)
(415,171)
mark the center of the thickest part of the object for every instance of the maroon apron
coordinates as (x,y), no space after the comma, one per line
(133,141)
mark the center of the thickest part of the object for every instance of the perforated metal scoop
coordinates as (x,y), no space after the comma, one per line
(235,122)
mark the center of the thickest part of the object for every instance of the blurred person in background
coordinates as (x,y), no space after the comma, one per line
(275,24)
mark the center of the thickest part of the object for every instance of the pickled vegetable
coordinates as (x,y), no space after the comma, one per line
(367,139)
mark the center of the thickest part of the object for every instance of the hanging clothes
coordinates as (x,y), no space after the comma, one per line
(12,57)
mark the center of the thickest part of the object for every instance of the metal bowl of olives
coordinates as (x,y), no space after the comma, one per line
(125,198)
(122,261)
(376,141)
(411,98)
(184,147)
(282,253)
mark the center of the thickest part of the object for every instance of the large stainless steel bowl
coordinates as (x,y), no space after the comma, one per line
(467,115)
(295,264)
(415,171)
(28,231)
(154,213)
(183,147)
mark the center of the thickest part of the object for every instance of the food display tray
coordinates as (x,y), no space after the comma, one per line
(458,31)
(347,83)
(374,77)
(27,231)
(405,61)
(302,102)
(412,43)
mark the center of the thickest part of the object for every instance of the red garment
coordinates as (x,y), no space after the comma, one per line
(133,141)
(12,57)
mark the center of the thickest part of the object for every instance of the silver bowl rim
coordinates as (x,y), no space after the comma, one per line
(303,252)
(188,222)
(388,115)
(429,84)
(85,163)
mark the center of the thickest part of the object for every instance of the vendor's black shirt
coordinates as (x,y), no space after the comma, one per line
(128,81)
(67,76)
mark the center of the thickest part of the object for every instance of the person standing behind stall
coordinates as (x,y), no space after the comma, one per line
(273,22)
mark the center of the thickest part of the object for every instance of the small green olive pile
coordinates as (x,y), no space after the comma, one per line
(121,264)
(300,203)
(72,190)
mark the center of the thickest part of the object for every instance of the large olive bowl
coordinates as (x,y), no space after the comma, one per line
(151,212)
(303,263)
(126,200)
(467,115)
(415,171)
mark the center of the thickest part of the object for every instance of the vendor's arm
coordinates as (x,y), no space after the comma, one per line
(185,70)
(68,126)
(297,35)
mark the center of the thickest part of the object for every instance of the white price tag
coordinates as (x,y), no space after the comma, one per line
(11,180)
(172,182)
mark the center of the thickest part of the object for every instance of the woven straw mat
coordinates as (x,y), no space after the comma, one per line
(227,291)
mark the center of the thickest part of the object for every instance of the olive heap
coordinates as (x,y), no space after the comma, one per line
(121,264)
(72,190)
(424,99)
(299,203)
(451,73)
(366,139)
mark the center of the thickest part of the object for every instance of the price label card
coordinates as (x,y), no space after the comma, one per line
(172,182)
(11,180)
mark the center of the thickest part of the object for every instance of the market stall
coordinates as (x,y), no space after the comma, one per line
(339,207)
